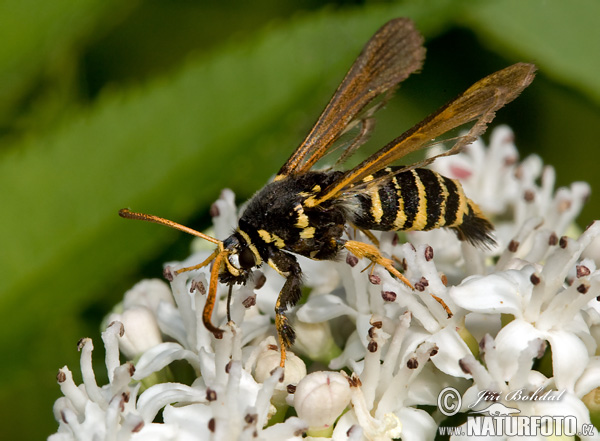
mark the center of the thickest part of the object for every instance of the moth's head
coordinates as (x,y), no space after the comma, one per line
(239,261)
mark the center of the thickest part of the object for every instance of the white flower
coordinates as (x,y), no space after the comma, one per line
(89,411)
(478,320)
(499,184)
(543,308)
(518,391)
(383,391)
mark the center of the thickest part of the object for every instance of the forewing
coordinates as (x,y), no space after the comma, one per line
(390,56)
(478,103)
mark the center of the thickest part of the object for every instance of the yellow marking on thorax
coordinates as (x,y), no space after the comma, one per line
(307,233)
(271,238)
(252,247)
(442,219)
(376,208)
(421,216)
(400,214)
(368,178)
(302,219)
(265,235)
(310,200)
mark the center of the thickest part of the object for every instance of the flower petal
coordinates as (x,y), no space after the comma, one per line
(162,355)
(510,341)
(322,308)
(569,358)
(496,293)
(590,379)
(416,424)
(158,396)
(451,348)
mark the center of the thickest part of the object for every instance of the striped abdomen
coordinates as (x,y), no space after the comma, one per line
(419,200)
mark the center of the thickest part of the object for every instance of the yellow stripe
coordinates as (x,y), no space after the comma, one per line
(271,238)
(307,233)
(252,247)
(376,208)
(276,268)
(279,243)
(265,235)
(421,217)
(310,200)
(302,221)
(442,219)
(400,215)
(462,205)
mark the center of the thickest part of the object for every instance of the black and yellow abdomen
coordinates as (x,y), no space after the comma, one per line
(419,200)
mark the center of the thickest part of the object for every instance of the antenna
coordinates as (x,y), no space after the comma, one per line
(219,256)
(128,214)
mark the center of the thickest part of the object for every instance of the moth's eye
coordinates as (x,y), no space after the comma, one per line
(247,258)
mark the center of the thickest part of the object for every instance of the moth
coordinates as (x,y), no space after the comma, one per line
(305,211)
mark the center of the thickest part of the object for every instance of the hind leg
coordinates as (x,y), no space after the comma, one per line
(360,250)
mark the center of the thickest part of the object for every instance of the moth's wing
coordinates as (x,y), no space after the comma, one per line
(478,103)
(390,56)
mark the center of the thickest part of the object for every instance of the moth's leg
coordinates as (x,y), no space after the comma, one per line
(229,291)
(286,265)
(360,250)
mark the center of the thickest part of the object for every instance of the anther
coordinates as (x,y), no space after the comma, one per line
(388,296)
(428,253)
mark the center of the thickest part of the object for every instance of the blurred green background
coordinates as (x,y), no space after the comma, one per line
(157,105)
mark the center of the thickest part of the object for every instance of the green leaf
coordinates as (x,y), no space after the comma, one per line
(40,41)
(560,37)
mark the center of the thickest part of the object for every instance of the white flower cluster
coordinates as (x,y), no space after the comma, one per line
(525,319)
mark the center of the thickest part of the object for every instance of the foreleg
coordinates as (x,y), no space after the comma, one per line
(286,265)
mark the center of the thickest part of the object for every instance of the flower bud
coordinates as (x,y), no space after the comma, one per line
(148,293)
(295,370)
(141,331)
(315,341)
(320,398)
